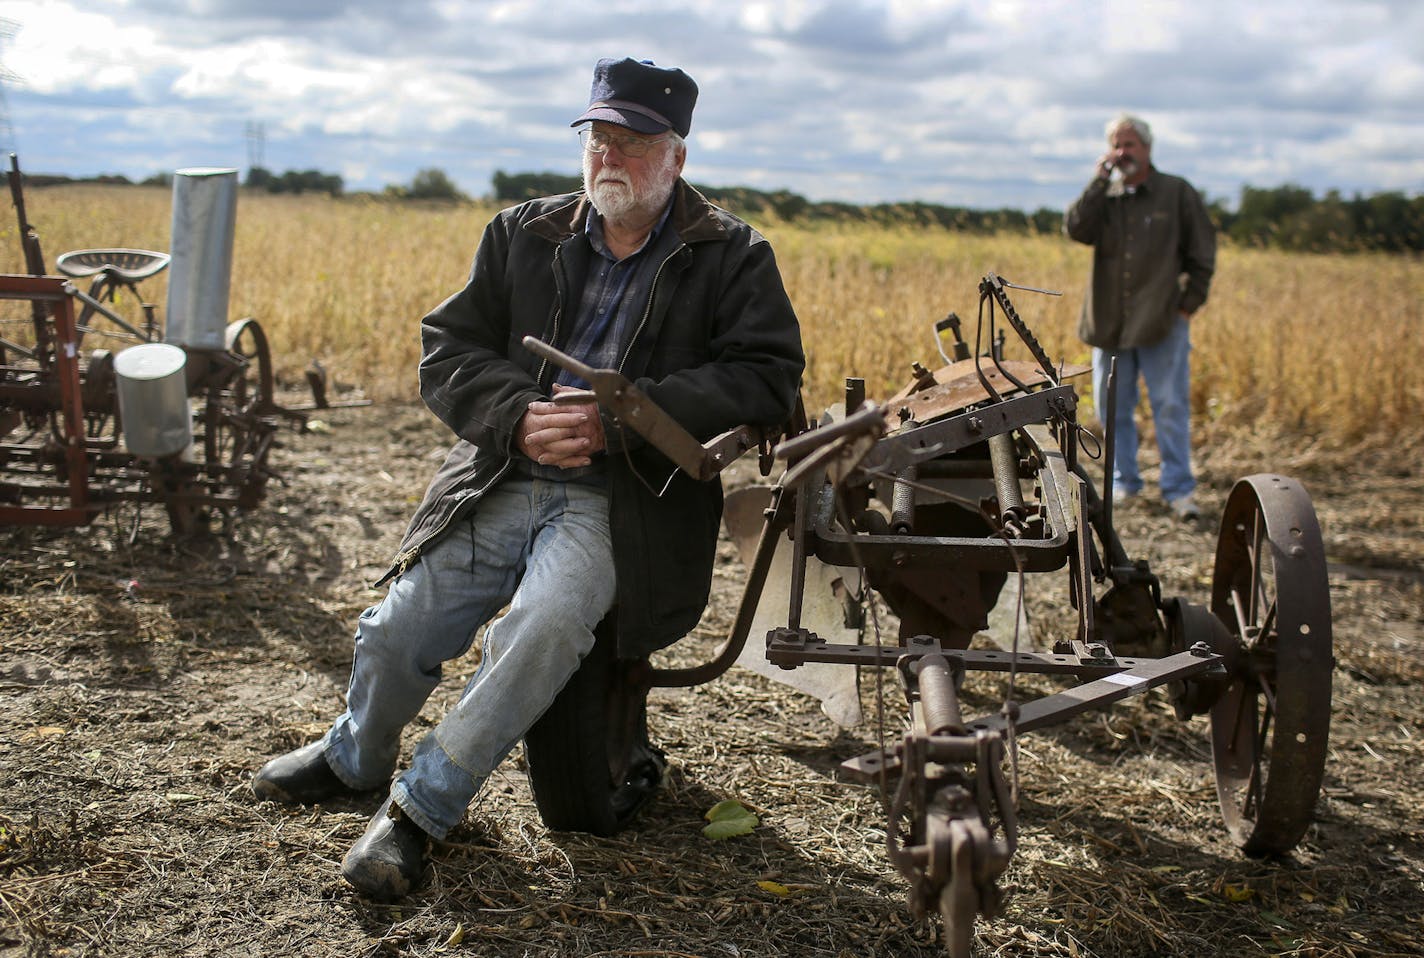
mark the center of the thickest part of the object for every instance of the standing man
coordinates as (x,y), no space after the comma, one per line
(555,511)
(1154,250)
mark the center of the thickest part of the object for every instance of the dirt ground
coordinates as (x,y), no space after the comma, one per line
(141,684)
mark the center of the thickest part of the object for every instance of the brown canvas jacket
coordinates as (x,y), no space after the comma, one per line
(1154,253)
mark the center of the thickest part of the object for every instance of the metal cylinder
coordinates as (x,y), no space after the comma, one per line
(939,702)
(153,399)
(902,502)
(200,268)
(1005,461)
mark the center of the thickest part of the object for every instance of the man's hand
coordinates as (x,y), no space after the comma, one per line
(1105,165)
(561,436)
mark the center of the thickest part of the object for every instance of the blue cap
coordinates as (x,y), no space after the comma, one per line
(640,95)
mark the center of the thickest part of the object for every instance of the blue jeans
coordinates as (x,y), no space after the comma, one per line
(1166,369)
(540,546)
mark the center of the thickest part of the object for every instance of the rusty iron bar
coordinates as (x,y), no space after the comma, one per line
(953,433)
(34,263)
(632,408)
(799,647)
(1121,678)
(1083,569)
(1143,675)
(778,518)
(952,857)
(1110,444)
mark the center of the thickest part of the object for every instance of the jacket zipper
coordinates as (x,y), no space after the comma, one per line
(556,266)
(648,309)
(403,560)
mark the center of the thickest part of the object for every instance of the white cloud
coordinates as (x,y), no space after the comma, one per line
(998,103)
(58,47)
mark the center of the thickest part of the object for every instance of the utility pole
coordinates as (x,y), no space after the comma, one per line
(256,144)
(8,141)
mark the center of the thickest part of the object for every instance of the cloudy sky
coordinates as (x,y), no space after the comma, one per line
(979,103)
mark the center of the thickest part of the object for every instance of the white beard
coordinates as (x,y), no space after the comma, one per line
(618,198)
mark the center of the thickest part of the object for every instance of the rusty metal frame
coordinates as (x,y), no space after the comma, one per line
(952,822)
(54,294)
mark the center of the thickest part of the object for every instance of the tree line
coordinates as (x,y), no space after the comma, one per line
(427,184)
(1287,217)
(792,207)
(1291,217)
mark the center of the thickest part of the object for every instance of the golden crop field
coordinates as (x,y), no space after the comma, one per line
(1324,349)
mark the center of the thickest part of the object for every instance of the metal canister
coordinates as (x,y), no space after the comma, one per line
(200,271)
(153,399)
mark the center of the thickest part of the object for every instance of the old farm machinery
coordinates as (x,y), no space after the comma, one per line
(968,478)
(98,408)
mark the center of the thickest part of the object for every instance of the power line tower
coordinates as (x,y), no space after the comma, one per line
(256,144)
(8,142)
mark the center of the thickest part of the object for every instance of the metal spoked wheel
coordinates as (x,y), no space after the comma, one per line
(251,391)
(236,432)
(1270,726)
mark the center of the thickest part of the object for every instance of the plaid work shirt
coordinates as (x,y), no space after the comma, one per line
(614,296)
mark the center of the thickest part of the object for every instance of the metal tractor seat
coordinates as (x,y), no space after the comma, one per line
(126,265)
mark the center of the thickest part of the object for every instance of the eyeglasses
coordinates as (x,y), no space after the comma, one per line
(597,141)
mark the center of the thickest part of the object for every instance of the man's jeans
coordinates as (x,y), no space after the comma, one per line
(1166,369)
(542,545)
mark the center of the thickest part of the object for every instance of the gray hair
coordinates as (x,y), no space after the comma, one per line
(1139,126)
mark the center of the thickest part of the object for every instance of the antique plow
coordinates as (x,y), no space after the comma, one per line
(972,474)
(99,408)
